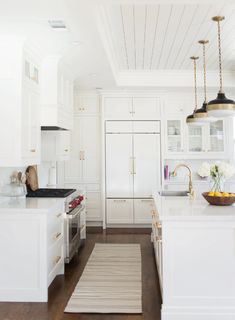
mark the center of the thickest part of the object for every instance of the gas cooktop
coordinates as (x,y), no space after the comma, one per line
(49,193)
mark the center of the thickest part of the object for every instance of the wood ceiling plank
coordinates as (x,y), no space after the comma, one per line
(140,34)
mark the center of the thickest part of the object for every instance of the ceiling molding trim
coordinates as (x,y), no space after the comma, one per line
(169,78)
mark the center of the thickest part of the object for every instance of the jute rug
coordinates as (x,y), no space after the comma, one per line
(111,281)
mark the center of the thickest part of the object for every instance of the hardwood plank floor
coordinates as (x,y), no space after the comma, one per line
(63,286)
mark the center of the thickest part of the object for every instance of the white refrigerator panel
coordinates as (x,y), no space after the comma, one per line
(147,165)
(119,166)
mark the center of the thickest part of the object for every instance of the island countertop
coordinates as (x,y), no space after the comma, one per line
(183,208)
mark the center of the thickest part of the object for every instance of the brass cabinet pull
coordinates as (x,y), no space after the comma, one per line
(66,150)
(57,235)
(119,200)
(158,225)
(32,150)
(58,215)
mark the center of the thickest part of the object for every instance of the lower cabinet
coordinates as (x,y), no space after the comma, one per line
(34,254)
(129,211)
(93,206)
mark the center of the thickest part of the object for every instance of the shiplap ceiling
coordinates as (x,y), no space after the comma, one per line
(163,37)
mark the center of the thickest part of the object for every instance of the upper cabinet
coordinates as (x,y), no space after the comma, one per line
(55,145)
(128,108)
(86,104)
(20,101)
(56,94)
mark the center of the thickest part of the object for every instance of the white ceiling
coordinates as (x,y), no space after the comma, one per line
(158,36)
(120,38)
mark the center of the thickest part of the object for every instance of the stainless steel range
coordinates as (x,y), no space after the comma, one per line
(75,218)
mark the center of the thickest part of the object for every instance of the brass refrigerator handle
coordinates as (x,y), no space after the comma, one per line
(82,155)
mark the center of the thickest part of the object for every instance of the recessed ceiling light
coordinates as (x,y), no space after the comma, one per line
(57,24)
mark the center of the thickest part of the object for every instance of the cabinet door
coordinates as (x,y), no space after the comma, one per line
(146,108)
(119,210)
(91,149)
(87,104)
(196,139)
(119,166)
(118,108)
(31,125)
(216,136)
(147,164)
(143,210)
(174,132)
(93,206)
(73,167)
(63,145)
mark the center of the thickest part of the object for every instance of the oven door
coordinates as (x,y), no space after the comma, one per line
(72,233)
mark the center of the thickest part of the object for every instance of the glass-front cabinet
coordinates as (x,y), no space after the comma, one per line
(194,140)
(216,136)
(174,136)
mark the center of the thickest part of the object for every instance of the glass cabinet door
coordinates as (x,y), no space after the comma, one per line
(195,139)
(174,136)
(216,136)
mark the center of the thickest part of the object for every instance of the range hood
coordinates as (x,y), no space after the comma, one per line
(52,128)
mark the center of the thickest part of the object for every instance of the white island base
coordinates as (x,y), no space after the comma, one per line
(194,245)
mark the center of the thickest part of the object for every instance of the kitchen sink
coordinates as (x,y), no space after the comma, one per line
(166,193)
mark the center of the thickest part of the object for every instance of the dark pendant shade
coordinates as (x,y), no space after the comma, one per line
(221,106)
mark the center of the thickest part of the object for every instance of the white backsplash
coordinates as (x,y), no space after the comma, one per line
(46,174)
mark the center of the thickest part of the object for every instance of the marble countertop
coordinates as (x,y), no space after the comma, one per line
(29,205)
(183,209)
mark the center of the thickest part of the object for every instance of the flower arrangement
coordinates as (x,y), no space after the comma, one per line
(218,171)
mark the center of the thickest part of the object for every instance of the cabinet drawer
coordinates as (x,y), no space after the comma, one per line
(143,210)
(146,126)
(55,255)
(119,126)
(93,206)
(119,210)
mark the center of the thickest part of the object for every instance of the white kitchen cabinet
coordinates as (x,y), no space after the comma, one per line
(119,211)
(93,206)
(119,165)
(145,108)
(20,120)
(133,170)
(200,142)
(33,256)
(131,108)
(147,164)
(86,104)
(55,145)
(142,210)
(56,94)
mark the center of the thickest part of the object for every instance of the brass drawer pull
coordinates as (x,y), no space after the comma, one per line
(32,150)
(57,235)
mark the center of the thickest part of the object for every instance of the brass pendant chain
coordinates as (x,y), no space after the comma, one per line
(220,59)
(204,69)
(195,80)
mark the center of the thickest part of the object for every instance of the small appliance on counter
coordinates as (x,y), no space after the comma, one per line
(74,207)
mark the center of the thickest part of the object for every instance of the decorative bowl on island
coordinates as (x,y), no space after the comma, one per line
(219,198)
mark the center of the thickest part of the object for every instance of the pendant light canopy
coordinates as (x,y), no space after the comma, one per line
(221,106)
(201,114)
(191,120)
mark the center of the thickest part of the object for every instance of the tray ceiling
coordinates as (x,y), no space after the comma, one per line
(163,37)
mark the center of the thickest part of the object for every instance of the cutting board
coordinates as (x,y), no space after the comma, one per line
(32,177)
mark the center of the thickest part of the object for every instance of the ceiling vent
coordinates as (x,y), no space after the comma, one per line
(57,24)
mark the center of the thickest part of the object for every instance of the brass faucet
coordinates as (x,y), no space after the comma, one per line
(190,185)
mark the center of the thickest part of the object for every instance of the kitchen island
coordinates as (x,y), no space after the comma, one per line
(31,246)
(194,245)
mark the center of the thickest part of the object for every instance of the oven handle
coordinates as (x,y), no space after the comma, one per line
(72,215)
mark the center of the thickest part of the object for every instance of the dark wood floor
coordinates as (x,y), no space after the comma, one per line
(63,286)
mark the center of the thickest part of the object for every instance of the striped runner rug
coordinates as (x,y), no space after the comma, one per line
(111,281)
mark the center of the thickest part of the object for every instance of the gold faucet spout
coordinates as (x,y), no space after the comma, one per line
(190,185)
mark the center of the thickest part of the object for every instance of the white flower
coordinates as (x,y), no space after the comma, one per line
(226,170)
(204,170)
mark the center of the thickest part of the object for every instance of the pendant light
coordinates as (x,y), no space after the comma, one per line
(221,106)
(191,120)
(201,114)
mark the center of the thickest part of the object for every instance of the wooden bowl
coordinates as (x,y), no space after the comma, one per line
(219,201)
